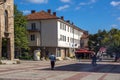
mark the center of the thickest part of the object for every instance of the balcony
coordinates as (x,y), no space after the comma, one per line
(33,30)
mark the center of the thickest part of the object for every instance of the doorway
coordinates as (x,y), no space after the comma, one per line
(5,48)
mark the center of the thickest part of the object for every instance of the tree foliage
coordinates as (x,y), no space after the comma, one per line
(21,40)
(109,39)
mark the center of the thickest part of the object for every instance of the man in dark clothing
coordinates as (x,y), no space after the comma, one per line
(52,60)
(94,59)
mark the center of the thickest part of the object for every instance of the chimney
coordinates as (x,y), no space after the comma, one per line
(32,11)
(72,23)
(68,21)
(62,17)
(49,11)
(54,13)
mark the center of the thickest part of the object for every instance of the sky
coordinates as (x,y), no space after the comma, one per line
(89,15)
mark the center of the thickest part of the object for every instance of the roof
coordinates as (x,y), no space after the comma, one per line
(40,15)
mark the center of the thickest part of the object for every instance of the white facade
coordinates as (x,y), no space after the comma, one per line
(55,35)
(66,35)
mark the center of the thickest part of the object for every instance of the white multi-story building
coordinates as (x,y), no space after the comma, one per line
(49,32)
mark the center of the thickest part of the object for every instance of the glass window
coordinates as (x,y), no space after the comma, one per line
(32,37)
(68,28)
(6,20)
(68,39)
(33,26)
(60,25)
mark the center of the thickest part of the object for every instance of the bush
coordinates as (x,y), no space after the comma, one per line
(26,56)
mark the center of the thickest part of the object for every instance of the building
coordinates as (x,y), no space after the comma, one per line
(6,29)
(52,33)
(84,40)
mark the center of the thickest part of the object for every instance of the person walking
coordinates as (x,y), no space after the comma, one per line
(52,58)
(94,59)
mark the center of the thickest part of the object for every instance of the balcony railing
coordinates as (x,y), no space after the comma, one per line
(33,30)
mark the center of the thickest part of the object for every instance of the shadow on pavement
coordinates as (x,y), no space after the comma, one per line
(86,67)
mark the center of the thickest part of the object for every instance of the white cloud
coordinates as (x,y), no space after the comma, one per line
(38,1)
(114,26)
(77,8)
(93,1)
(65,1)
(118,18)
(115,3)
(26,12)
(62,7)
(87,3)
(83,3)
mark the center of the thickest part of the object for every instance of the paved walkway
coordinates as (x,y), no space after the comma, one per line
(65,70)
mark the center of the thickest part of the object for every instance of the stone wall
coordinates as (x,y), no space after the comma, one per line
(7,32)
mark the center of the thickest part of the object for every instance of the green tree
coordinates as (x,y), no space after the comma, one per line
(109,39)
(21,39)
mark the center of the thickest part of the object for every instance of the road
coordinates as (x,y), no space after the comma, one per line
(64,70)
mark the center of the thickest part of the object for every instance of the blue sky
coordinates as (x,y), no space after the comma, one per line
(90,15)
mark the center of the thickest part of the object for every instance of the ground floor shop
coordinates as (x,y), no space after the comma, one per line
(60,52)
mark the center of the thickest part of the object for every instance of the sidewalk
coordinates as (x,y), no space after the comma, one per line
(64,70)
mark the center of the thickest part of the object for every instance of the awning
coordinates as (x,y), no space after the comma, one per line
(83,51)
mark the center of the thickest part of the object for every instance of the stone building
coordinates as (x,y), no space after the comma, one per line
(6,29)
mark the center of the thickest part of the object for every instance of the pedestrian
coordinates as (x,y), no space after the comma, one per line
(94,59)
(52,58)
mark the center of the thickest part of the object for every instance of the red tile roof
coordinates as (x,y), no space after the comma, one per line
(40,15)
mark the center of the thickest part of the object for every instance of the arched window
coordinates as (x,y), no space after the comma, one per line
(6,20)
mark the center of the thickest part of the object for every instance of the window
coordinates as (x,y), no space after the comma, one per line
(62,26)
(33,26)
(67,39)
(32,37)
(63,38)
(68,28)
(6,20)
(58,52)
(60,37)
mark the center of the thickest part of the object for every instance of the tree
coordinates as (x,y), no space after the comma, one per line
(21,39)
(114,46)
(109,39)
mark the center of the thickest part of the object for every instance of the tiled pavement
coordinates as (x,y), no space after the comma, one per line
(65,70)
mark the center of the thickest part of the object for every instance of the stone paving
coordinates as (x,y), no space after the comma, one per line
(64,70)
